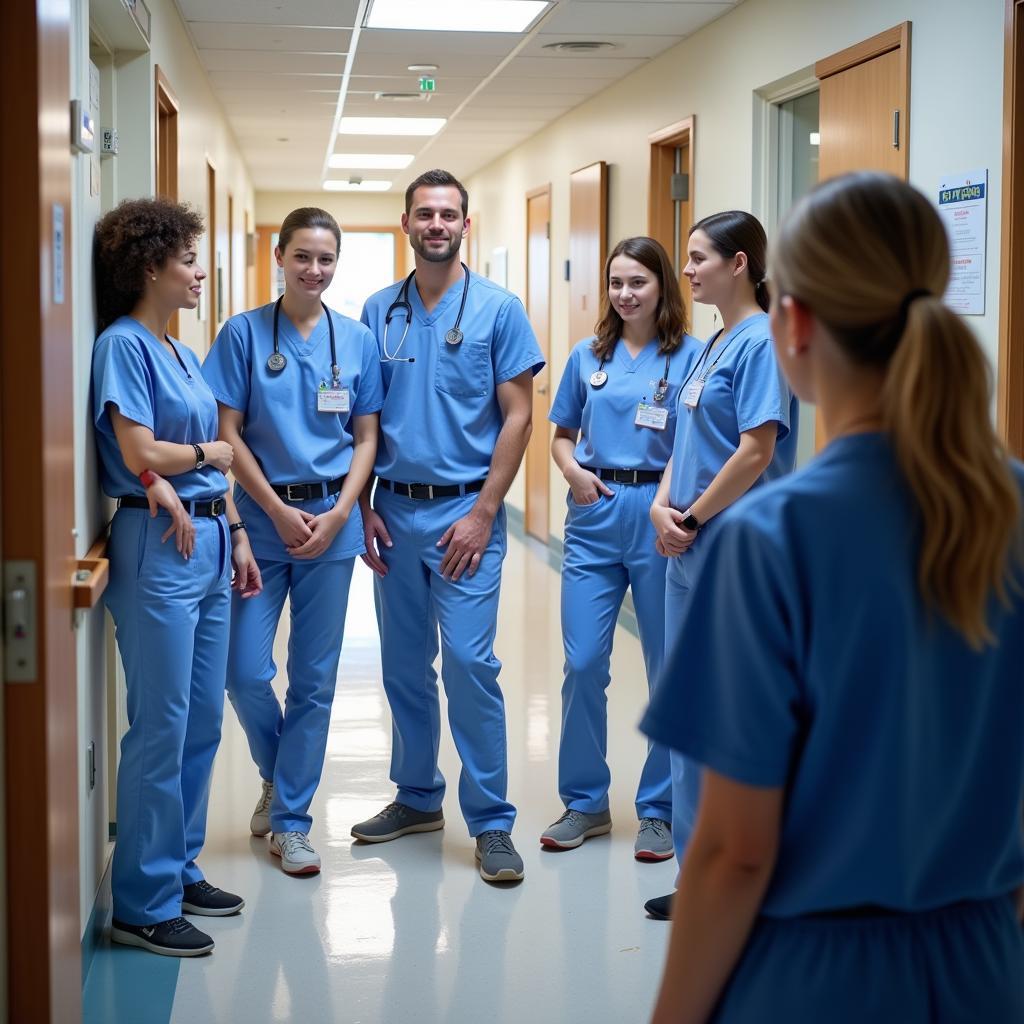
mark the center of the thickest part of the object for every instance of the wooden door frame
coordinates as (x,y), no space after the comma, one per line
(213,323)
(602,229)
(895,38)
(542,386)
(1010,383)
(41,747)
(661,209)
(165,105)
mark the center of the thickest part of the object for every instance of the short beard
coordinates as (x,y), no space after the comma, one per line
(437,257)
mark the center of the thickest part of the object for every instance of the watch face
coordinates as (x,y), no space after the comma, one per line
(690,522)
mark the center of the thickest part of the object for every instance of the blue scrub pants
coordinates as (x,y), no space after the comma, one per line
(680,579)
(413,600)
(171,619)
(609,546)
(962,964)
(288,747)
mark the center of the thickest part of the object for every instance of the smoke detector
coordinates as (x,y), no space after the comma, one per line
(579,46)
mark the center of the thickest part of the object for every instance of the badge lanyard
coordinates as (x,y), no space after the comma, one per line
(402,305)
(599,378)
(277,362)
(691,391)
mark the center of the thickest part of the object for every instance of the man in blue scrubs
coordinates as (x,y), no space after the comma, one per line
(458,358)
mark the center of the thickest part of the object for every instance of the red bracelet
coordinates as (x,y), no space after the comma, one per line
(147,478)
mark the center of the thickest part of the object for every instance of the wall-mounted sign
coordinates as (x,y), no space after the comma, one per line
(963,204)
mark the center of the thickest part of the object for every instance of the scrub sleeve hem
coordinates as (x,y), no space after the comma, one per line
(228,400)
(367,412)
(140,416)
(564,423)
(530,364)
(775,416)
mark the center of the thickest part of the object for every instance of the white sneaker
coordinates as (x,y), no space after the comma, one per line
(259,823)
(297,856)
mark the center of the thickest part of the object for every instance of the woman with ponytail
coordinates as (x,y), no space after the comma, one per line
(849,674)
(737,429)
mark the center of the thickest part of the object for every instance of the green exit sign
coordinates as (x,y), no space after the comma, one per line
(427,84)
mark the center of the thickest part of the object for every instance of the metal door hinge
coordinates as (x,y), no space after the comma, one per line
(20,622)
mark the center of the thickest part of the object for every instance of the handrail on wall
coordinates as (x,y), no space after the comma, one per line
(91,575)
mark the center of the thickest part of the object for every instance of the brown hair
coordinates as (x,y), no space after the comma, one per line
(869,256)
(737,231)
(671,320)
(307,217)
(137,234)
(437,178)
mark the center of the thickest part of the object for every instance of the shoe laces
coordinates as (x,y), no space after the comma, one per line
(573,817)
(394,810)
(496,841)
(655,825)
(177,925)
(295,842)
(205,888)
(266,798)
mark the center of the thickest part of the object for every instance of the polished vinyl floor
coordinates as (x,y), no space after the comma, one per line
(408,931)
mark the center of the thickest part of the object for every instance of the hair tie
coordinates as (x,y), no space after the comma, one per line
(909,298)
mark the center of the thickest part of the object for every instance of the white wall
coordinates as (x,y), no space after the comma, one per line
(955,124)
(127,104)
(350,211)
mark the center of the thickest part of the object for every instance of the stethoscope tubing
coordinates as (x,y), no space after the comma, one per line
(280,360)
(402,305)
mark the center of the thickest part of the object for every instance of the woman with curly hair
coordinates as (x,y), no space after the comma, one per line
(156,431)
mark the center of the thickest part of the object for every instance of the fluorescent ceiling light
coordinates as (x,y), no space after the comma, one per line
(376,161)
(391,125)
(455,15)
(362,186)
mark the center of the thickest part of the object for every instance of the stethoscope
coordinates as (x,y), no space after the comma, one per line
(277,362)
(599,378)
(401,305)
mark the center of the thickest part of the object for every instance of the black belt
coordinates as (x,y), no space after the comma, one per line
(424,492)
(202,509)
(628,476)
(308,492)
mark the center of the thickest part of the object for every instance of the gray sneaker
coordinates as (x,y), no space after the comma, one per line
(573,827)
(499,861)
(397,820)
(259,823)
(653,840)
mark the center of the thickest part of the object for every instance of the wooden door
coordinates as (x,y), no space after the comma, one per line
(670,211)
(864,112)
(538,307)
(229,291)
(166,153)
(212,288)
(42,940)
(588,245)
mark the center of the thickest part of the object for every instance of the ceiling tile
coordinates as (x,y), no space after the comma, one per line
(573,67)
(273,61)
(336,13)
(221,35)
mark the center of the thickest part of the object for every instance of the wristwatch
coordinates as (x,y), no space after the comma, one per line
(200,457)
(691,522)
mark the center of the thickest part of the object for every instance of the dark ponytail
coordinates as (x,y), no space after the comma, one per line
(736,231)
(307,217)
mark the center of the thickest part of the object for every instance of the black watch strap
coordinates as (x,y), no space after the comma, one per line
(691,522)
(200,457)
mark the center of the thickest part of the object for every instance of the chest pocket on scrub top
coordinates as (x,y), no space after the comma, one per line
(464,370)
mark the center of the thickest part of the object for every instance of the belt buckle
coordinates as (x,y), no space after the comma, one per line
(295,497)
(217,506)
(429,488)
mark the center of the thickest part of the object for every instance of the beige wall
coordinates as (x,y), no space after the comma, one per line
(350,211)
(955,125)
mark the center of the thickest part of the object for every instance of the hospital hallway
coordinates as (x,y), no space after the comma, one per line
(407,930)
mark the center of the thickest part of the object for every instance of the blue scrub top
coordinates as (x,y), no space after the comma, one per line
(291,440)
(134,372)
(808,660)
(606,416)
(744,389)
(441,416)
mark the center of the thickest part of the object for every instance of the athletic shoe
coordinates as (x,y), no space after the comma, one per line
(499,861)
(653,840)
(660,908)
(209,901)
(573,827)
(259,823)
(397,820)
(297,856)
(176,937)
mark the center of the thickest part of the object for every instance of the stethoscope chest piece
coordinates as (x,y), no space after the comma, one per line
(598,379)
(276,363)
(454,336)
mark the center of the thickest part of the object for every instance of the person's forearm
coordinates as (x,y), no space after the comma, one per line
(508,454)
(246,470)
(364,452)
(712,916)
(563,453)
(163,457)
(739,473)
(661,496)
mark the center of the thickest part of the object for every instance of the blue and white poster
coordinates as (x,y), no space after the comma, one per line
(963,200)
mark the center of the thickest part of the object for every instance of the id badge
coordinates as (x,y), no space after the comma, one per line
(692,394)
(653,416)
(332,400)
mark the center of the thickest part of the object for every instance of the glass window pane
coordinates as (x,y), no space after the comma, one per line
(365,265)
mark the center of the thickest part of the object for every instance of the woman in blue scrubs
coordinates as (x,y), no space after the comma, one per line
(849,674)
(299,389)
(737,428)
(615,419)
(156,432)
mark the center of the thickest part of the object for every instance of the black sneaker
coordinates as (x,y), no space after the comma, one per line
(660,908)
(169,938)
(209,901)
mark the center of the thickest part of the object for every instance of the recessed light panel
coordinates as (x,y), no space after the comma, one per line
(375,161)
(352,186)
(455,15)
(391,125)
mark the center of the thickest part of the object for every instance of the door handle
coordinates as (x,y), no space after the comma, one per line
(542,389)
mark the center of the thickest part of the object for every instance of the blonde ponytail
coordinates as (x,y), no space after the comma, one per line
(878,292)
